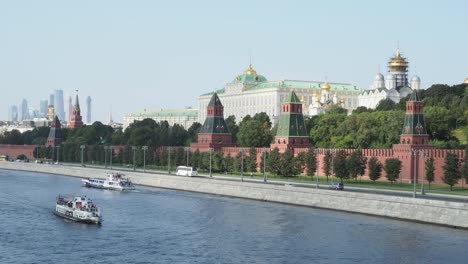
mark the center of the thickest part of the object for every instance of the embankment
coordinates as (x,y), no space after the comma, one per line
(422,210)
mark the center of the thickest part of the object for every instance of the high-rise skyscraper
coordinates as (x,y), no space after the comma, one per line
(58,104)
(51,99)
(88,110)
(68,108)
(43,108)
(24,110)
(13,113)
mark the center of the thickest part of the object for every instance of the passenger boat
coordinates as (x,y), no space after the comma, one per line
(114,181)
(79,209)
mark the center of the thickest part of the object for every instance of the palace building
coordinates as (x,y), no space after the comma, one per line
(251,93)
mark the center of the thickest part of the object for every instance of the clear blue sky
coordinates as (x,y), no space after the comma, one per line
(132,55)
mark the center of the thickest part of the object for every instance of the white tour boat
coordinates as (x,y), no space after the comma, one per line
(114,181)
(79,209)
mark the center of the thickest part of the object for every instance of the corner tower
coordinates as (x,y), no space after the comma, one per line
(76,119)
(291,131)
(214,133)
(55,133)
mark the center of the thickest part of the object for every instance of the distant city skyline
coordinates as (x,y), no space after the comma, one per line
(130,56)
(40,110)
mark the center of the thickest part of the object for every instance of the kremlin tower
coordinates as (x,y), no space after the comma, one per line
(75,119)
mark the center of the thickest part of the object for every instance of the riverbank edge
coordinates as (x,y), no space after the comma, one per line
(452,214)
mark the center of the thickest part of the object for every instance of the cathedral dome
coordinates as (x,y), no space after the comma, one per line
(326,86)
(390,77)
(415,78)
(250,70)
(398,63)
(379,77)
(466,81)
(250,76)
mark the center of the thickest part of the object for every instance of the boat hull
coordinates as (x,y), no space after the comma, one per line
(104,184)
(77,216)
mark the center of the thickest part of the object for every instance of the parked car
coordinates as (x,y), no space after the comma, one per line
(336,186)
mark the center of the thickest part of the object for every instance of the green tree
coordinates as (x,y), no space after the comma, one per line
(430,171)
(195,158)
(392,169)
(274,162)
(218,162)
(229,163)
(327,163)
(254,133)
(311,162)
(354,164)
(385,105)
(451,170)
(287,163)
(232,127)
(341,170)
(193,131)
(299,163)
(252,160)
(375,169)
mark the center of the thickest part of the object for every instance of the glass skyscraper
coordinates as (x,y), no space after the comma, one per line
(88,110)
(58,104)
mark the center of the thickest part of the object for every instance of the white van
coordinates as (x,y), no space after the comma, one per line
(186,171)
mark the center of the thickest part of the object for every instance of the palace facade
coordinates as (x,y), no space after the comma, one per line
(251,93)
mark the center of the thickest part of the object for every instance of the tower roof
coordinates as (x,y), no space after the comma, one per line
(292,98)
(414,96)
(214,101)
(77,102)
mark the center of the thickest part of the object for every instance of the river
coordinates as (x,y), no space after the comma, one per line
(154,225)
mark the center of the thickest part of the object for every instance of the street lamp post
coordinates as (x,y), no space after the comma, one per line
(169,160)
(82,148)
(242,164)
(58,154)
(211,152)
(134,150)
(415,154)
(264,165)
(105,155)
(423,153)
(144,148)
(317,162)
(110,157)
(333,165)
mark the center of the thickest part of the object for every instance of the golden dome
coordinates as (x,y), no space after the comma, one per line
(325,86)
(250,71)
(342,101)
(335,95)
(397,63)
(466,81)
(302,100)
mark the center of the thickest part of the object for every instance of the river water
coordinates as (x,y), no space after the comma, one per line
(154,225)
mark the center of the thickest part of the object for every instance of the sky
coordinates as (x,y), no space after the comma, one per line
(135,55)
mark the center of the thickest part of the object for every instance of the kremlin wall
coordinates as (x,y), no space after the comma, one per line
(291,135)
(413,150)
